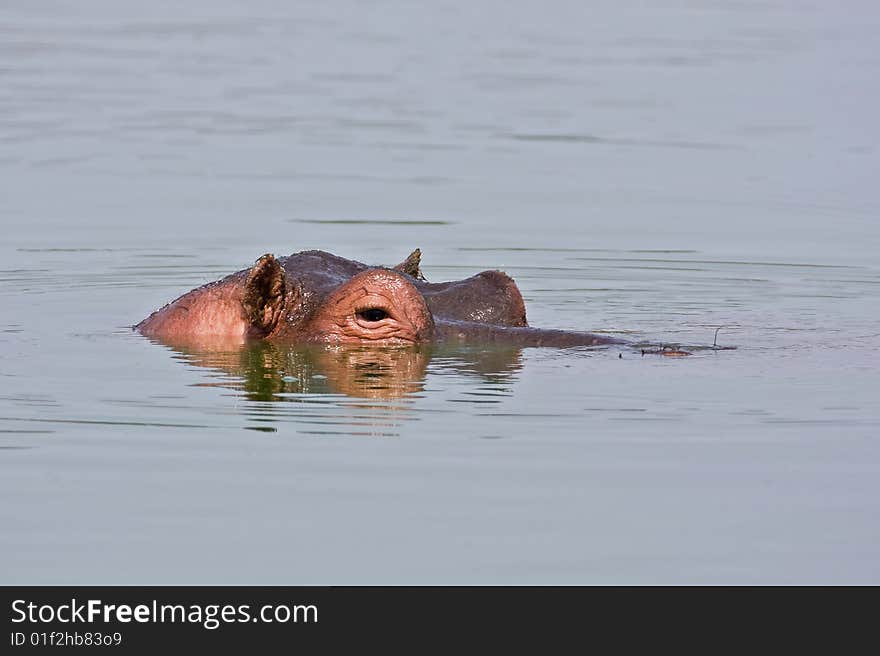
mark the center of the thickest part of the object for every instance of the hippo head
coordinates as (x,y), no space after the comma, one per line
(317,297)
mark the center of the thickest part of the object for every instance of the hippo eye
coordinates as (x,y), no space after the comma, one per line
(372,315)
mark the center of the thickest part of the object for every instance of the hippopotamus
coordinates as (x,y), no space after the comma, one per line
(314,297)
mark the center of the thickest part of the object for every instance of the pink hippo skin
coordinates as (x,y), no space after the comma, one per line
(319,298)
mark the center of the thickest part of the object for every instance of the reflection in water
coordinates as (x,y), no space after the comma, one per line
(269,372)
(495,364)
(342,390)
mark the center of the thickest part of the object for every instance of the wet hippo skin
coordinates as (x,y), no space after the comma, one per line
(315,297)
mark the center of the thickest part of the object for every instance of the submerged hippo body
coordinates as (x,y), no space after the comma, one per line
(319,298)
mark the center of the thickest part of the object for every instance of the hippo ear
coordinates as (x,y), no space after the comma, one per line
(264,294)
(410,266)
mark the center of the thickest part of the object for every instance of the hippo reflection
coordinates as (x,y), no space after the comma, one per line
(266,371)
(315,297)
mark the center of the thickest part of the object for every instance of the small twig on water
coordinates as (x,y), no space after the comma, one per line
(715,343)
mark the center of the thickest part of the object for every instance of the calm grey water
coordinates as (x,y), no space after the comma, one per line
(651,169)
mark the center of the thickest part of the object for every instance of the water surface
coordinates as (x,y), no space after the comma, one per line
(654,171)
